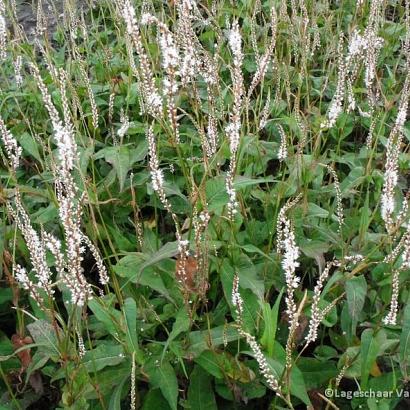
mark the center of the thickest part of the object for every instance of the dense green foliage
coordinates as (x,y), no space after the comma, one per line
(181,336)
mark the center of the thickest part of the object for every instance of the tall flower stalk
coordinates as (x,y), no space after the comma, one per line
(388,203)
(68,265)
(3,31)
(403,249)
(264,368)
(152,100)
(157,179)
(13,150)
(287,248)
(234,127)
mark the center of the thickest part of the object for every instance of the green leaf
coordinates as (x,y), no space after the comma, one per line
(248,277)
(216,195)
(254,249)
(181,325)
(133,267)
(201,340)
(140,152)
(200,392)
(223,364)
(44,215)
(172,189)
(365,213)
(85,156)
(130,314)
(356,289)
(169,250)
(209,360)
(270,319)
(107,315)
(120,159)
(29,145)
(316,373)
(314,249)
(355,178)
(316,211)
(115,399)
(243,181)
(39,359)
(405,341)
(162,375)
(44,334)
(6,295)
(103,355)
(155,400)
(297,383)
(369,350)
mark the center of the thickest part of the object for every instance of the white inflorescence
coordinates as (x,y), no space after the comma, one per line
(236,298)
(125,124)
(133,390)
(404,247)
(36,249)
(3,31)
(286,246)
(157,176)
(67,148)
(21,276)
(128,14)
(283,149)
(363,48)
(289,264)
(232,201)
(390,181)
(336,105)
(235,41)
(339,206)
(81,346)
(94,109)
(154,100)
(263,364)
(212,135)
(189,65)
(17,71)
(233,128)
(151,98)
(264,61)
(391,318)
(170,55)
(37,252)
(317,314)
(54,246)
(13,150)
(392,155)
(70,269)
(102,270)
(357,44)
(237,302)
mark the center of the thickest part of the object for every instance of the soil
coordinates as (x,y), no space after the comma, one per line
(52,11)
